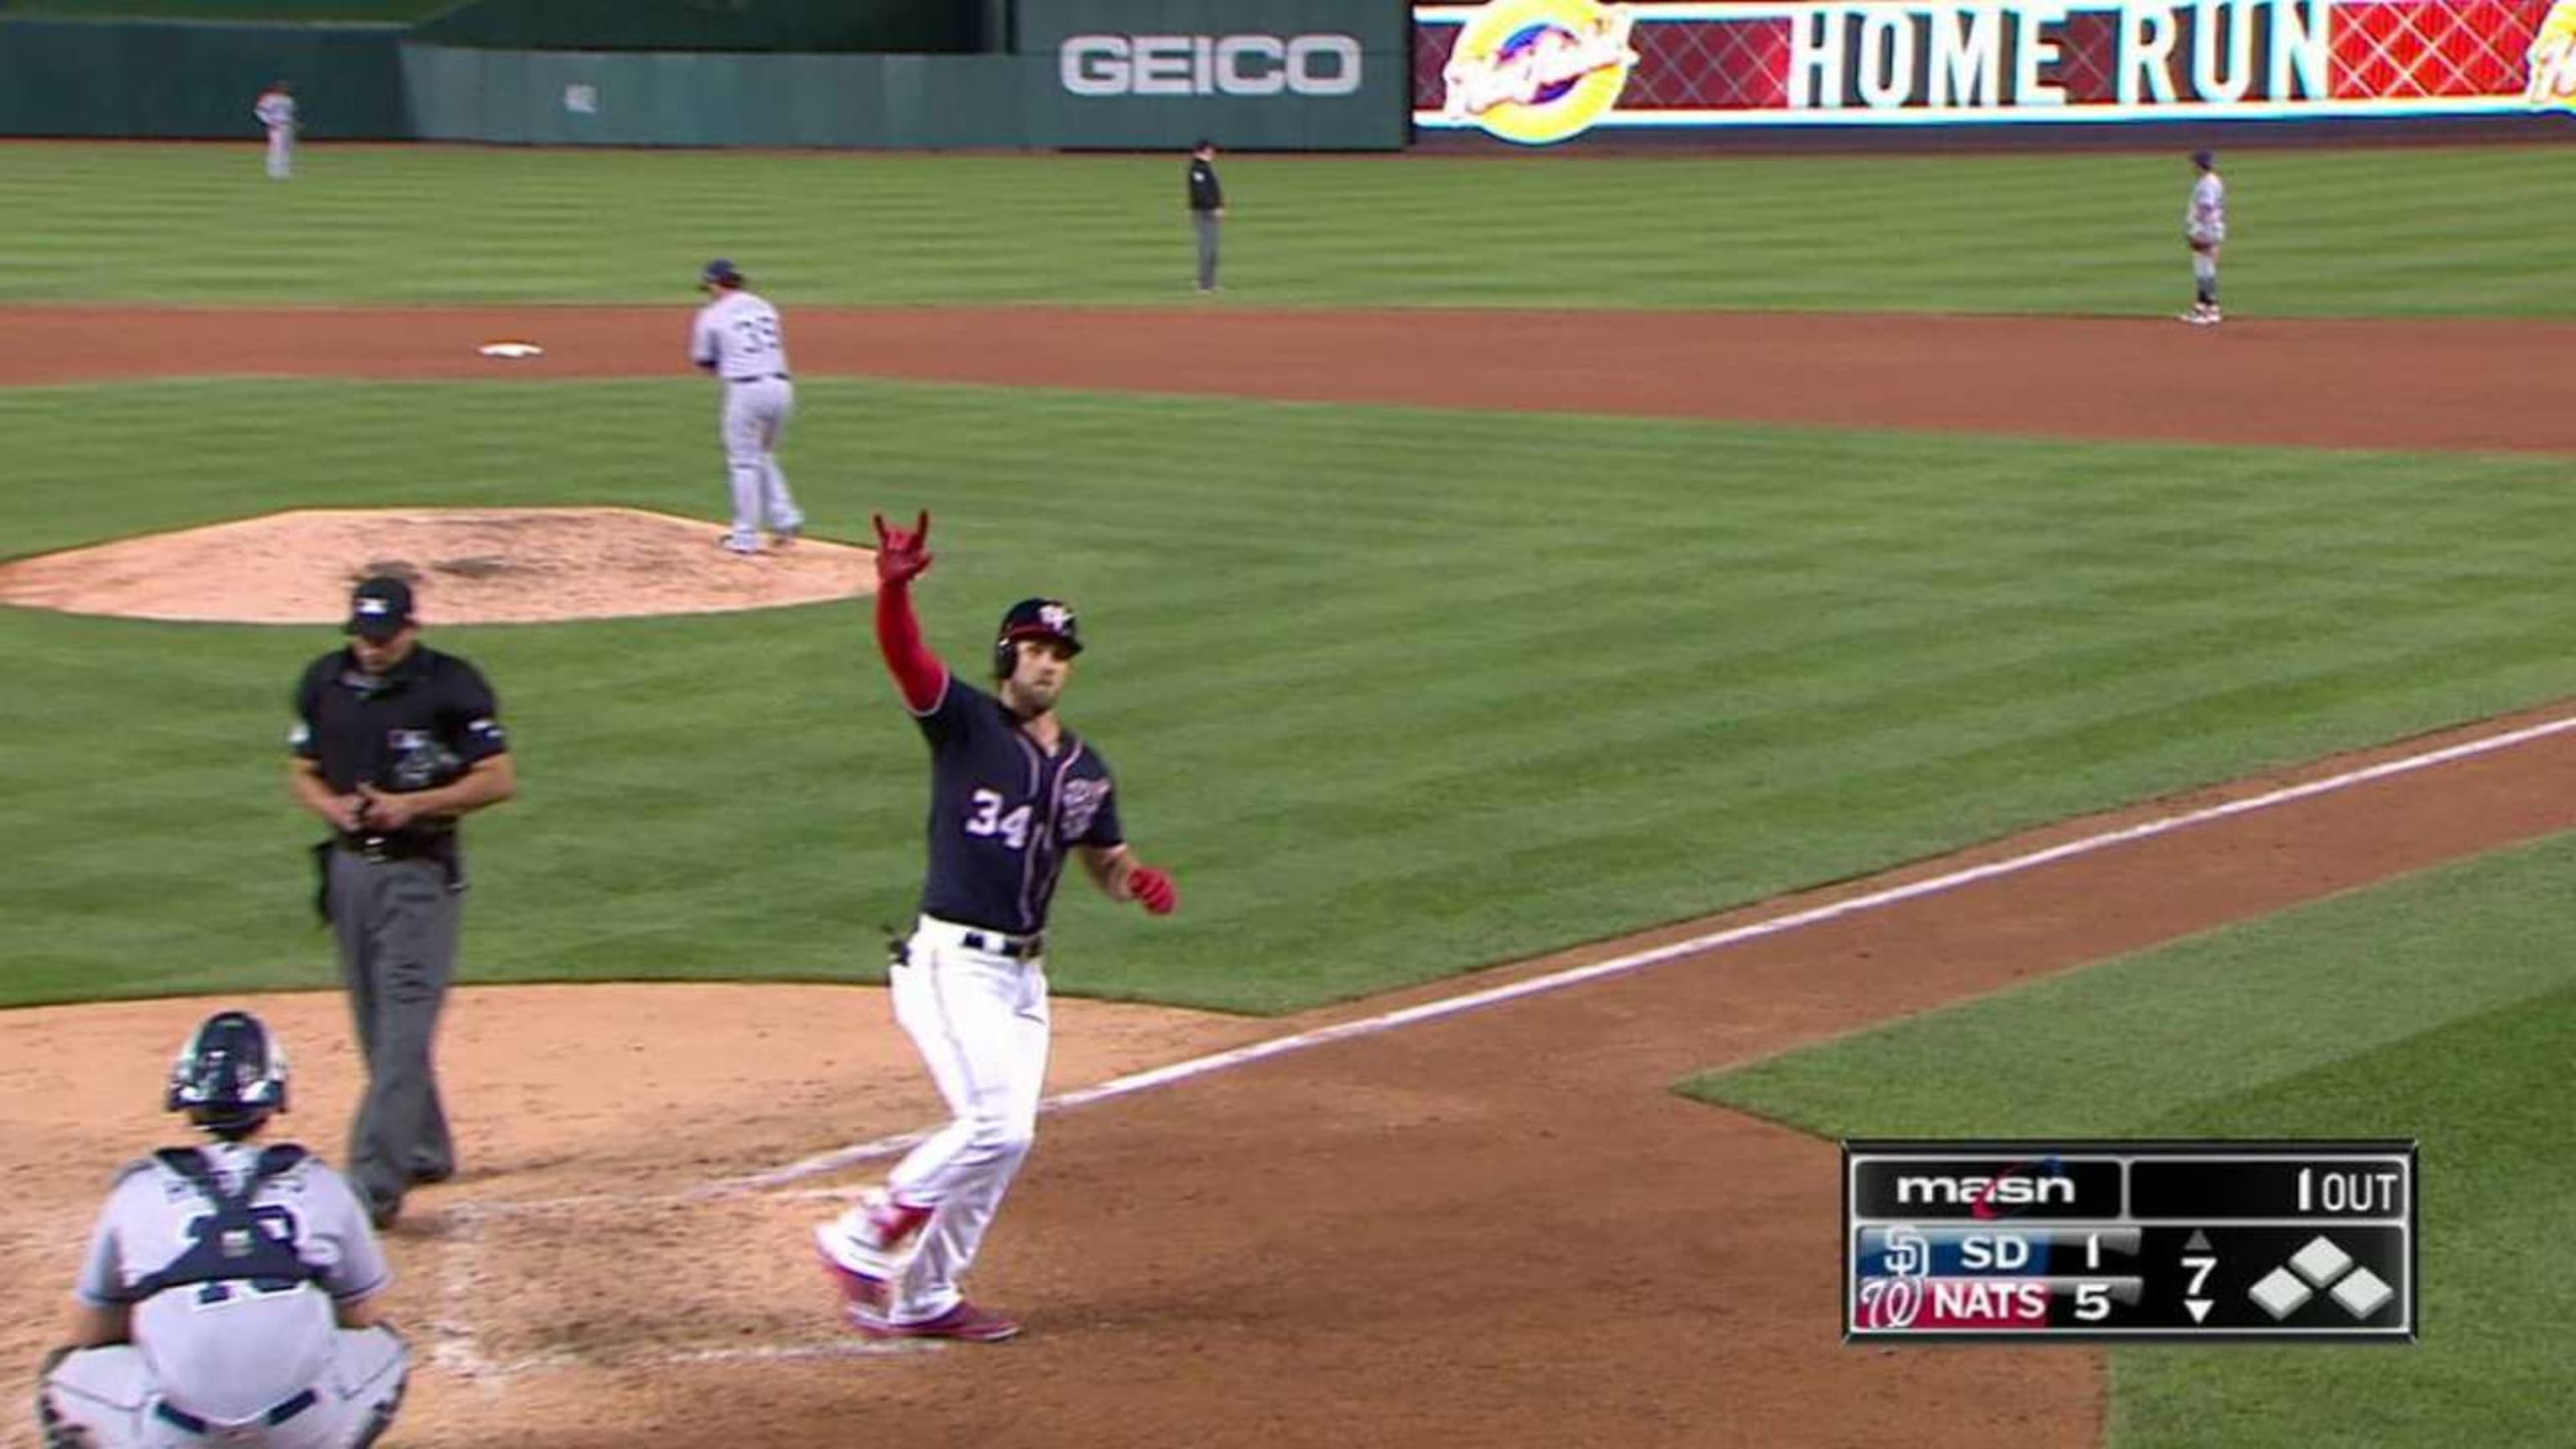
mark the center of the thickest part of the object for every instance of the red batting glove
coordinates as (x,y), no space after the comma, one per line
(902,554)
(1154,890)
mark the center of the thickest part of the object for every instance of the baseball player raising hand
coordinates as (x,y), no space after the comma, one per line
(1012,793)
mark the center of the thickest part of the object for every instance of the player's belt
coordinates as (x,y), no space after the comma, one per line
(173,1415)
(764,377)
(1017,948)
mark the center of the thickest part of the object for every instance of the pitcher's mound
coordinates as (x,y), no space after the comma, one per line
(469,565)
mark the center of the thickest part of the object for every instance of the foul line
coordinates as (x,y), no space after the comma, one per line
(884,1147)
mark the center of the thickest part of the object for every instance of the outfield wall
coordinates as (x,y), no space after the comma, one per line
(898,27)
(1303,75)
(1255,75)
(196,80)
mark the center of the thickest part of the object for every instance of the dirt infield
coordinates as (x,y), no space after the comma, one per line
(1496,1228)
(2373,384)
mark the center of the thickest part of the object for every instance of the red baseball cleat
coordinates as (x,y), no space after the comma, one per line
(865,1249)
(965,1323)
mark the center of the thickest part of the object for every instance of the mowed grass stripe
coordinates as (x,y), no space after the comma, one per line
(2315,231)
(2483,1093)
(2436,1007)
(1397,692)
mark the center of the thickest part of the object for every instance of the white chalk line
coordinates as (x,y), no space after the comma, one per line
(453,1346)
(460,1351)
(884,1147)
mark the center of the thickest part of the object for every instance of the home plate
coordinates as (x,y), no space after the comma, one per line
(511,349)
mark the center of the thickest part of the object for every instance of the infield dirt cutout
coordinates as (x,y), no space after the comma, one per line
(1494,1228)
(472,566)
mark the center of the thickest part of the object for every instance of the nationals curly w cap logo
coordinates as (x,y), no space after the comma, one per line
(2553,61)
(1539,71)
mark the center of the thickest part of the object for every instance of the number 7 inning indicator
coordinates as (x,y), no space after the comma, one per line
(2307,1241)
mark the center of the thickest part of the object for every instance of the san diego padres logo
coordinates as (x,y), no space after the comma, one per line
(1538,71)
(1893,1298)
(2553,61)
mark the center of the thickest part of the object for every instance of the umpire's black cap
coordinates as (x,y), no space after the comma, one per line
(379,608)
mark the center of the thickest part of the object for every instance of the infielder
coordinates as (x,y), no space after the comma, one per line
(2204,226)
(738,338)
(275,109)
(225,1300)
(1012,792)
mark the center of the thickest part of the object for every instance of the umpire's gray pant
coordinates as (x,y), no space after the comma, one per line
(397,921)
(1207,225)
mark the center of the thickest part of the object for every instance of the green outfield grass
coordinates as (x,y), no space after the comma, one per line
(2438,1007)
(1395,692)
(2315,232)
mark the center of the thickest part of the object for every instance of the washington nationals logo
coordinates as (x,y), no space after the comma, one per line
(1056,617)
(1082,800)
(1538,71)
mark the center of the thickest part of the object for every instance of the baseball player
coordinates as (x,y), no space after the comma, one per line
(1012,793)
(275,110)
(225,1299)
(737,338)
(2204,226)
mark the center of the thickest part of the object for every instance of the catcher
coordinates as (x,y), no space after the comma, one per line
(225,1299)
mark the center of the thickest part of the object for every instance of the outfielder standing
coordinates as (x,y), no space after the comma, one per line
(1012,792)
(275,110)
(225,1299)
(2204,226)
(737,337)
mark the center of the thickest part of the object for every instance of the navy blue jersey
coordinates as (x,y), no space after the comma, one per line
(1004,813)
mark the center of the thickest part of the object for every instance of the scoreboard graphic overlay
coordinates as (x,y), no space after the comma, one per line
(2058,1242)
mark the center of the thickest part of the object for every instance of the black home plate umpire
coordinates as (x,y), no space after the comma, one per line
(393,741)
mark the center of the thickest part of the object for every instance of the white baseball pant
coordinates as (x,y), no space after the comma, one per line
(755,418)
(114,1396)
(981,1023)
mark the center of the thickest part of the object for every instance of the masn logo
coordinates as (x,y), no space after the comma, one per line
(1210,65)
(1978,1192)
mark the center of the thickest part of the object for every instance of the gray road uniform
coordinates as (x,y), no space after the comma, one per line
(738,338)
(232,1257)
(275,112)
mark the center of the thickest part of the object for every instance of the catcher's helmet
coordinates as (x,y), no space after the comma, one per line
(230,1075)
(720,273)
(1034,619)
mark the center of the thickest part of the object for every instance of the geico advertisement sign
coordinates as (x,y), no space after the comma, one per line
(1210,65)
